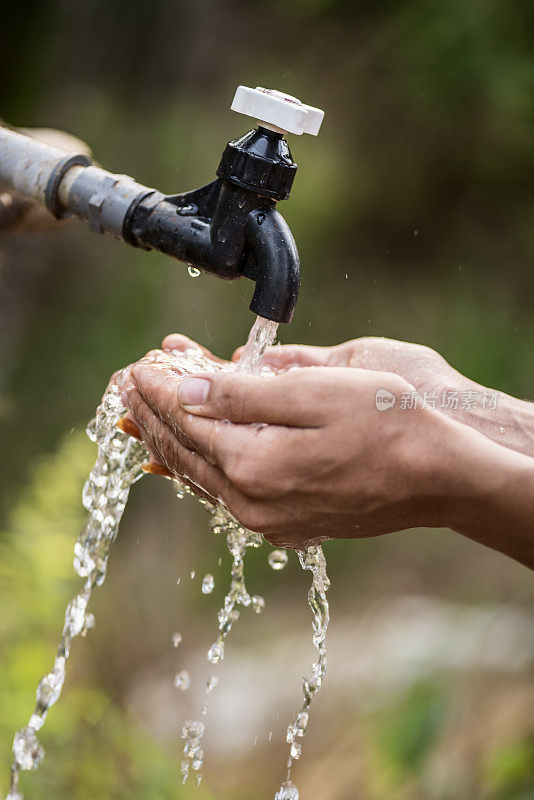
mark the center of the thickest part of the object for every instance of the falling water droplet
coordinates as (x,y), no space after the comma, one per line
(192,728)
(26,749)
(212,683)
(193,271)
(277,559)
(258,603)
(208,584)
(287,791)
(182,680)
(89,624)
(216,652)
(192,574)
(49,689)
(176,639)
(302,723)
(291,733)
(296,750)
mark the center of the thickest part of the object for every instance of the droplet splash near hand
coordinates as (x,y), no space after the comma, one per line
(277,559)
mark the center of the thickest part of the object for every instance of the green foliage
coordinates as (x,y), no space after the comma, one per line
(508,771)
(407,734)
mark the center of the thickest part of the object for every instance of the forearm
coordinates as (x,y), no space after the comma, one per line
(491,494)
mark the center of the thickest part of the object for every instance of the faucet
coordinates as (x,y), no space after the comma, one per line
(230,227)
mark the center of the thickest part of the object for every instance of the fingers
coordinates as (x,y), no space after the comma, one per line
(414,362)
(128,425)
(172,454)
(177,342)
(289,399)
(215,440)
(371,352)
(295,399)
(155,468)
(284,357)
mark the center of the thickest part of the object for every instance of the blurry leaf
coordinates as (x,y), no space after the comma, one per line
(509,771)
(407,734)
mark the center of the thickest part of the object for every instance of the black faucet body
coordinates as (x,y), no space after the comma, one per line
(231,227)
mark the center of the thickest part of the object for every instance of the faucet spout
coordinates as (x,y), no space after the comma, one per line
(274,264)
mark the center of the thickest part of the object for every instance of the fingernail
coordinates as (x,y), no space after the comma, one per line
(128,426)
(154,468)
(124,399)
(193,391)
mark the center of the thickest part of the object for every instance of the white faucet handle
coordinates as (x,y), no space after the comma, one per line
(277,111)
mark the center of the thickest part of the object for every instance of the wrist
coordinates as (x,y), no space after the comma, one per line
(437,480)
(488,493)
(515,421)
(505,420)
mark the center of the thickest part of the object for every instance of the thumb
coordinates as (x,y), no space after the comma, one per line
(292,398)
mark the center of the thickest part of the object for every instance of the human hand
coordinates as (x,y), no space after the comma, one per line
(502,418)
(303,456)
(421,366)
(306,455)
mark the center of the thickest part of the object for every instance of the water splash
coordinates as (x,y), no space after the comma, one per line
(238,539)
(287,791)
(277,559)
(258,603)
(117,467)
(311,559)
(182,680)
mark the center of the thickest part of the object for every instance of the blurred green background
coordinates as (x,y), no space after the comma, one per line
(413,212)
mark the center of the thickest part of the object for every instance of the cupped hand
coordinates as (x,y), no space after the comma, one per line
(421,366)
(299,457)
(503,419)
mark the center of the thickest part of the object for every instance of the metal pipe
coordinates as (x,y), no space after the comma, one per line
(26,164)
(48,175)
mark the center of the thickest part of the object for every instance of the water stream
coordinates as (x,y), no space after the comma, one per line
(118,466)
(311,559)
